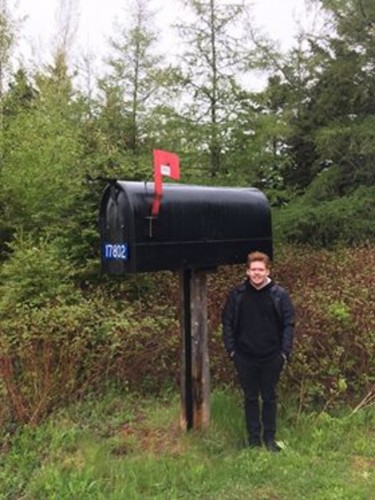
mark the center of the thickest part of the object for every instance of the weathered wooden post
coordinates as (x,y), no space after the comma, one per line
(195,372)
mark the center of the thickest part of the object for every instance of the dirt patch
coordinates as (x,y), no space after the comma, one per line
(158,440)
(362,464)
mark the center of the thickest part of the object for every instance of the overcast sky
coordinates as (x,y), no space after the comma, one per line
(96,20)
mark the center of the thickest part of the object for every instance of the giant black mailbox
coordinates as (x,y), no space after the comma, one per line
(198,227)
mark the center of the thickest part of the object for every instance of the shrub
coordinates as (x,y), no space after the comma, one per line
(335,322)
(347,220)
(58,353)
(59,342)
(127,332)
(335,335)
(34,274)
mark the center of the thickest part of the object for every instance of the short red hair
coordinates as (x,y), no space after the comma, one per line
(258,257)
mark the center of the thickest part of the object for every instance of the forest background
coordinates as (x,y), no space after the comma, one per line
(306,139)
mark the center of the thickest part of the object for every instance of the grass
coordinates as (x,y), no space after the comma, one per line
(124,447)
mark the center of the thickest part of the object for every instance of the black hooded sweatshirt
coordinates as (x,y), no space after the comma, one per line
(258,330)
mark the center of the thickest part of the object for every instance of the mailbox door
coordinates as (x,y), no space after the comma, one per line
(117,232)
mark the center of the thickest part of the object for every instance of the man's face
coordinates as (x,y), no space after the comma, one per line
(257,273)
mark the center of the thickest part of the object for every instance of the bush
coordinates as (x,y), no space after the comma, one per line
(59,342)
(34,274)
(347,220)
(335,323)
(58,353)
(335,332)
(127,333)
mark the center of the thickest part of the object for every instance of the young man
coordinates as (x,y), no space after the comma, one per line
(258,330)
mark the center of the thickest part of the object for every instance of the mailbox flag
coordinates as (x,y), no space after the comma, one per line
(165,164)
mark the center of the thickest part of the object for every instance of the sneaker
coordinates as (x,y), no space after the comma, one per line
(255,443)
(272,446)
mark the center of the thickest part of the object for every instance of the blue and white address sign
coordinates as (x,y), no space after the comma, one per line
(116,251)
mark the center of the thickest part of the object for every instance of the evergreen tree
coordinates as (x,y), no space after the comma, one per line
(19,96)
(131,88)
(211,62)
(41,176)
(346,93)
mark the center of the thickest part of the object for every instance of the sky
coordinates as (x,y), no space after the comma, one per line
(95,22)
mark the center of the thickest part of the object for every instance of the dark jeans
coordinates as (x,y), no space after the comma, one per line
(259,379)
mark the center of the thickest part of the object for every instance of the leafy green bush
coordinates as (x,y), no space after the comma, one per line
(346,220)
(34,274)
(326,186)
(58,342)
(57,353)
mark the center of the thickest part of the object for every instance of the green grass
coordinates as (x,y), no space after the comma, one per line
(123,447)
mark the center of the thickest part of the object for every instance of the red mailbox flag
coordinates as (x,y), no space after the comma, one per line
(167,164)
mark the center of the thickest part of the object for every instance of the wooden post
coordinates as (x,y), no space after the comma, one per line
(195,373)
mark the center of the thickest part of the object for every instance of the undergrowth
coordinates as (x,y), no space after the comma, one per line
(127,332)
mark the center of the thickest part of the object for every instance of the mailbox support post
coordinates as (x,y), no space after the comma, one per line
(195,373)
